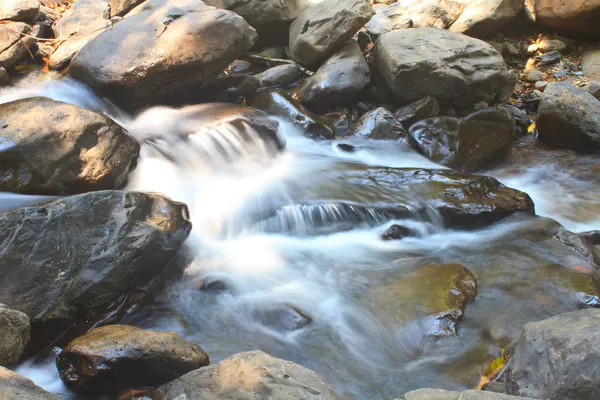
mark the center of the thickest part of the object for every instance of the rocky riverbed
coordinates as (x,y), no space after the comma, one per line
(303,199)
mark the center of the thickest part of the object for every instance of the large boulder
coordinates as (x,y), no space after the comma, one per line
(49,147)
(558,358)
(436,293)
(590,65)
(461,199)
(270,18)
(578,17)
(482,18)
(414,13)
(249,375)
(569,117)
(379,124)
(168,49)
(16,387)
(81,23)
(279,104)
(340,78)
(439,394)
(15,48)
(19,10)
(87,258)
(14,331)
(457,70)
(325,27)
(466,144)
(113,358)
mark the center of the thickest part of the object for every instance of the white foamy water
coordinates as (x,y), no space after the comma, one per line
(254,232)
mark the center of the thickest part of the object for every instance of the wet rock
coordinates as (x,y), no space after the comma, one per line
(552,57)
(280,75)
(19,10)
(90,257)
(439,394)
(340,78)
(121,7)
(248,375)
(14,331)
(286,318)
(534,75)
(212,285)
(436,292)
(462,200)
(379,124)
(396,232)
(83,21)
(135,63)
(578,17)
(279,104)
(468,144)
(405,14)
(455,69)
(569,117)
(547,45)
(424,108)
(557,358)
(325,27)
(49,147)
(239,67)
(113,358)
(484,17)
(341,121)
(590,65)
(270,18)
(231,88)
(346,147)
(16,387)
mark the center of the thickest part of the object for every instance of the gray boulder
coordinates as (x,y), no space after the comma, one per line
(482,18)
(14,333)
(339,79)
(457,70)
(558,358)
(569,117)
(16,387)
(439,394)
(19,10)
(90,257)
(49,147)
(579,17)
(15,48)
(136,63)
(113,358)
(418,14)
(80,24)
(467,144)
(325,27)
(379,124)
(249,375)
(590,65)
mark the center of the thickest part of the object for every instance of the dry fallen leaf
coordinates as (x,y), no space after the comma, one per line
(492,370)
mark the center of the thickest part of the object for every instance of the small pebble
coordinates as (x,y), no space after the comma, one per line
(534,75)
(549,58)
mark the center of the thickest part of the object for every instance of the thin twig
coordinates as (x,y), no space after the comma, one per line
(56,40)
(265,59)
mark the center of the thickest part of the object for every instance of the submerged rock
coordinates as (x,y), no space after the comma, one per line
(80,24)
(285,318)
(279,104)
(569,117)
(324,28)
(578,17)
(16,387)
(557,358)
(248,375)
(14,333)
(425,108)
(482,18)
(468,144)
(379,124)
(87,258)
(340,78)
(49,147)
(396,232)
(439,394)
(113,358)
(135,62)
(436,292)
(457,70)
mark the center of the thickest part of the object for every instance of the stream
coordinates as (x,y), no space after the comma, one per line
(255,234)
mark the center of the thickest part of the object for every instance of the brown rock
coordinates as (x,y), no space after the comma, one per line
(16,387)
(14,335)
(579,17)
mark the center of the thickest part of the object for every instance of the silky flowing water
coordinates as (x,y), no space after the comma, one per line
(255,233)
